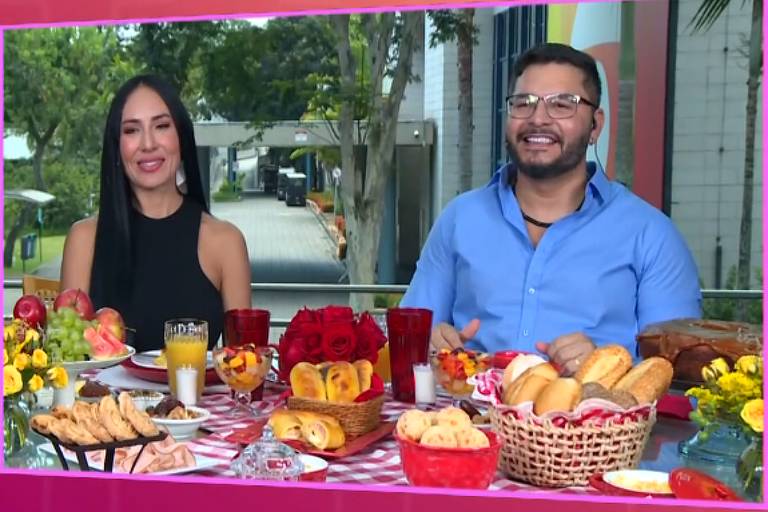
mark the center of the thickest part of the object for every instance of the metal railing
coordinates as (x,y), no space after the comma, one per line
(11,284)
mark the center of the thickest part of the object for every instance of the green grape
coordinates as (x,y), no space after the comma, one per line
(68,322)
(84,347)
(75,337)
(66,345)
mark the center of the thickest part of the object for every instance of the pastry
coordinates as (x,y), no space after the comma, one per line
(518,366)
(323,434)
(58,427)
(525,389)
(41,423)
(285,424)
(453,417)
(62,412)
(440,436)
(412,424)
(561,395)
(139,420)
(621,398)
(471,438)
(648,381)
(116,425)
(605,365)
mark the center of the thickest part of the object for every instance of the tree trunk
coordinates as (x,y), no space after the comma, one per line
(15,231)
(753,84)
(465,45)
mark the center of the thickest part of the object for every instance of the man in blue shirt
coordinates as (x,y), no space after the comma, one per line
(551,255)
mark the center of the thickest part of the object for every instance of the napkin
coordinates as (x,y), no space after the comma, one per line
(674,406)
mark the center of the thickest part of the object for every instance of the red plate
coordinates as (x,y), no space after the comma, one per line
(689,484)
(161,376)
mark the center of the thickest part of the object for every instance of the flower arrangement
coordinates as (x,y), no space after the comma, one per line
(25,363)
(331,333)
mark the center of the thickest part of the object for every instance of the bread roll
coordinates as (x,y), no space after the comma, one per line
(285,424)
(323,434)
(453,417)
(560,395)
(527,387)
(412,424)
(440,436)
(518,366)
(648,381)
(621,398)
(605,365)
(470,437)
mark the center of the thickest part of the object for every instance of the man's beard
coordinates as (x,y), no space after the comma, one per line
(571,156)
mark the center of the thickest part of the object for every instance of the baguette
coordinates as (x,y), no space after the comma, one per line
(605,365)
(648,381)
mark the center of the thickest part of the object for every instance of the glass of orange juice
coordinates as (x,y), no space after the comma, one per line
(382,364)
(186,344)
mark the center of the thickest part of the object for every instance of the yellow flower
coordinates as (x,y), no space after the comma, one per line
(9,332)
(752,414)
(30,335)
(720,366)
(58,377)
(36,383)
(21,361)
(5,357)
(708,374)
(39,358)
(749,365)
(12,382)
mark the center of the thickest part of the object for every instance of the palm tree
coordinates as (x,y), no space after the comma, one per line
(708,13)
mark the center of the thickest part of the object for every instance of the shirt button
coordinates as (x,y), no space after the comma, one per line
(531,291)
(525,332)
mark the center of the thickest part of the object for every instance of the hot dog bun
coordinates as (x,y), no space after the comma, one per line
(648,381)
(562,395)
(528,386)
(605,365)
(518,366)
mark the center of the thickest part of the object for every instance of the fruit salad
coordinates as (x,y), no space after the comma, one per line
(243,368)
(454,367)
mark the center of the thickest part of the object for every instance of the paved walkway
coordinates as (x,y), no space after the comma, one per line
(285,245)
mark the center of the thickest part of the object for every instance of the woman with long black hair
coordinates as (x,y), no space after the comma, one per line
(154,252)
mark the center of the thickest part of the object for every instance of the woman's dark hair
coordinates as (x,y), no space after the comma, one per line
(112,262)
(557,53)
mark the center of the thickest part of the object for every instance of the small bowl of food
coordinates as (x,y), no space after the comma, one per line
(640,481)
(453,367)
(144,399)
(315,468)
(179,420)
(93,391)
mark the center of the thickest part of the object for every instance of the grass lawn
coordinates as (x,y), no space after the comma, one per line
(53,246)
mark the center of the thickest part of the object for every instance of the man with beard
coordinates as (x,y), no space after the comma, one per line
(551,255)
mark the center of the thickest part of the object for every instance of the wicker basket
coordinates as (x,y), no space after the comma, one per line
(356,418)
(549,456)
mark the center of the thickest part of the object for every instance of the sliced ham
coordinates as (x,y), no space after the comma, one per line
(158,456)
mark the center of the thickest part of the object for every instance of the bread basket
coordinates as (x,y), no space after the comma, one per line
(565,451)
(356,418)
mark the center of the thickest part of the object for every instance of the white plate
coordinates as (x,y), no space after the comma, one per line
(638,480)
(202,462)
(146,360)
(96,364)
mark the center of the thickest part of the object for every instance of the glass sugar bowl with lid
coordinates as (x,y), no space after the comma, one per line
(268,459)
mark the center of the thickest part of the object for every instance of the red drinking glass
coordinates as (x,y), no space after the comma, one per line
(409,331)
(244,326)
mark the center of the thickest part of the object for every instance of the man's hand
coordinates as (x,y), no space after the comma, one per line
(568,351)
(446,336)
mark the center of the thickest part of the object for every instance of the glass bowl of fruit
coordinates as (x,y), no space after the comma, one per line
(453,367)
(243,369)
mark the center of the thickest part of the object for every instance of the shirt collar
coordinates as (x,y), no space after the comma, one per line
(598,181)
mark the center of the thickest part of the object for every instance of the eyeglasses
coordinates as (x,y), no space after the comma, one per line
(559,106)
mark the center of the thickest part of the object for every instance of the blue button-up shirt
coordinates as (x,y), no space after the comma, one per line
(607,270)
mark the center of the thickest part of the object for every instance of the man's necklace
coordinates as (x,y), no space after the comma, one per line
(545,225)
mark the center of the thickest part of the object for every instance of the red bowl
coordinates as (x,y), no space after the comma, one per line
(503,358)
(315,469)
(462,468)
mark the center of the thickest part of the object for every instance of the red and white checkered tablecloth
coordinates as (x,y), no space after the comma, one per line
(378,464)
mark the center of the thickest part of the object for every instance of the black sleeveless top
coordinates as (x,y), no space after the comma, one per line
(167,280)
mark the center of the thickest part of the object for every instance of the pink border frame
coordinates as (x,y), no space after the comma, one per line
(31,489)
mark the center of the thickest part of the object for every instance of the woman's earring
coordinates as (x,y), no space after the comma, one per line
(181,180)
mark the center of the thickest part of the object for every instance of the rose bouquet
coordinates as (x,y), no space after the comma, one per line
(332,333)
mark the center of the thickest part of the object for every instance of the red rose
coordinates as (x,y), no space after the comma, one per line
(336,314)
(339,342)
(305,321)
(370,339)
(311,346)
(291,353)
